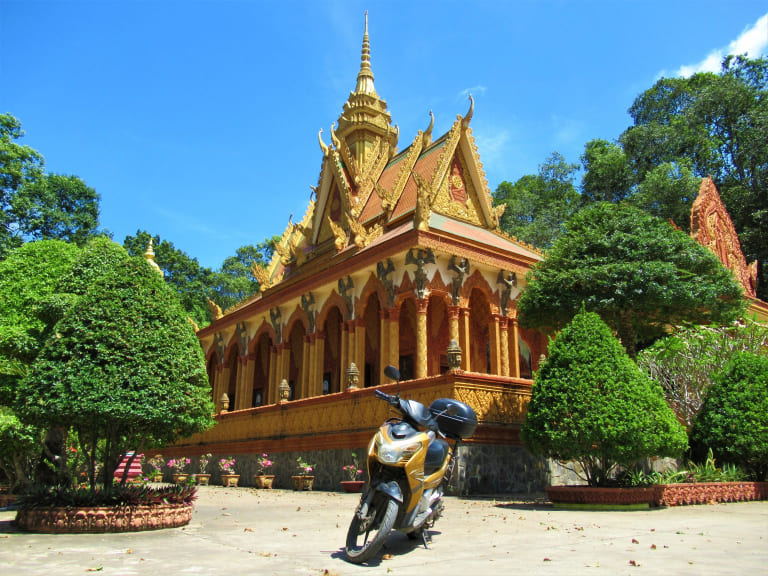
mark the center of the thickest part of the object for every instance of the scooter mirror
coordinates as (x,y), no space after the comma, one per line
(392,373)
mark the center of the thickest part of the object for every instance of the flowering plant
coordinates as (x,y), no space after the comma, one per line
(351,469)
(178,464)
(156,462)
(303,467)
(227,465)
(204,459)
(263,463)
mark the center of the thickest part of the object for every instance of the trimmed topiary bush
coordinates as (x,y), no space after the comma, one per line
(734,419)
(593,405)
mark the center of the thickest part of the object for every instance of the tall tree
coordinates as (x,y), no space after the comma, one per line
(717,124)
(35,205)
(538,205)
(608,176)
(124,367)
(636,271)
(235,280)
(194,283)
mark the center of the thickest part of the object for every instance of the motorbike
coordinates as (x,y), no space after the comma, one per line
(410,462)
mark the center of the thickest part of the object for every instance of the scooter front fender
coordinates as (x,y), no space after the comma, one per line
(391,489)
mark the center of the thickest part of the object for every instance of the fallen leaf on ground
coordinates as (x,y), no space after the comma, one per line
(386,557)
(634,541)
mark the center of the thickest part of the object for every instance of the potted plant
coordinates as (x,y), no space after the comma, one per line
(302,480)
(228,476)
(261,479)
(156,464)
(353,472)
(178,465)
(203,478)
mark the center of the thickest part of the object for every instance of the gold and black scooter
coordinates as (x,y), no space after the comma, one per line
(409,465)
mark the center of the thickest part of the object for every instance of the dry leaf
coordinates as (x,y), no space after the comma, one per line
(387,557)
(635,541)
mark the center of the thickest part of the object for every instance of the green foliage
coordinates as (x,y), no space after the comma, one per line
(35,205)
(128,495)
(123,367)
(538,205)
(607,176)
(716,124)
(733,422)
(668,192)
(684,362)
(591,404)
(235,281)
(19,447)
(636,271)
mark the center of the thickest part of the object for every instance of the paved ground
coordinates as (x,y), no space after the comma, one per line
(245,531)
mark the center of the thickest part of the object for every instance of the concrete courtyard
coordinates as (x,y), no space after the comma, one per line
(245,531)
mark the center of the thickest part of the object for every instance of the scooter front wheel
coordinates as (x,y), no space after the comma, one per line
(379,521)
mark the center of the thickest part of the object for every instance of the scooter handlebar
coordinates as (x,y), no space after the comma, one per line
(388,398)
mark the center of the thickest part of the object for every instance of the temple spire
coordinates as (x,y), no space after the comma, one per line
(365,76)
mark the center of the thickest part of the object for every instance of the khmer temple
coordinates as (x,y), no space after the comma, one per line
(398,260)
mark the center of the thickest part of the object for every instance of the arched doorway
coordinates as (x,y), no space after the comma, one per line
(372,317)
(332,351)
(437,335)
(233,364)
(479,342)
(213,361)
(261,354)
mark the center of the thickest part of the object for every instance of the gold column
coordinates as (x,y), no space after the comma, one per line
(464,338)
(504,346)
(453,323)
(422,304)
(384,342)
(245,391)
(285,367)
(515,347)
(394,337)
(359,341)
(217,385)
(304,369)
(318,348)
(271,397)
(494,337)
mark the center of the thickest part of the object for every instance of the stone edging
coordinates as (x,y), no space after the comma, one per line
(661,494)
(103,519)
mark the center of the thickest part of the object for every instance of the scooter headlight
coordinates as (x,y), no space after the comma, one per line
(394,452)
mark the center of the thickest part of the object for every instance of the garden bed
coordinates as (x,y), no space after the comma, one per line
(659,494)
(104,519)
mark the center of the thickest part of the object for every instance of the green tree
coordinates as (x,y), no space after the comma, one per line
(718,125)
(608,176)
(592,404)
(123,367)
(685,362)
(538,205)
(668,192)
(734,419)
(635,270)
(193,283)
(35,205)
(235,280)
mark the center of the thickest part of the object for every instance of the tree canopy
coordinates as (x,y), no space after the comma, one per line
(123,366)
(592,404)
(538,205)
(35,205)
(636,271)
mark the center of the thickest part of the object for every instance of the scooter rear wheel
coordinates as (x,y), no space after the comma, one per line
(382,514)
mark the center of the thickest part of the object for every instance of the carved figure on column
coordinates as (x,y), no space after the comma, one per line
(345,291)
(382,273)
(420,259)
(508,282)
(218,341)
(242,336)
(276,319)
(307,302)
(460,266)
(423,203)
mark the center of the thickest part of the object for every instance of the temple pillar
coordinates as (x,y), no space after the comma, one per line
(453,323)
(304,369)
(422,304)
(318,358)
(218,379)
(344,352)
(244,394)
(494,339)
(271,397)
(504,345)
(359,344)
(383,342)
(465,335)
(393,338)
(515,352)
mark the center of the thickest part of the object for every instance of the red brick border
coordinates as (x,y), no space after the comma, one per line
(103,519)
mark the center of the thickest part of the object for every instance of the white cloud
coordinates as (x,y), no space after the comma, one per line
(753,42)
(475,90)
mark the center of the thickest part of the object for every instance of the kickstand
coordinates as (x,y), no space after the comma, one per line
(424,539)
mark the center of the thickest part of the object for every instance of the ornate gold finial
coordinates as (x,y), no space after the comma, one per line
(468,117)
(323,145)
(365,76)
(427,137)
(149,255)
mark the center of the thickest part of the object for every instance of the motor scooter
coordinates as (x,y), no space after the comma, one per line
(409,465)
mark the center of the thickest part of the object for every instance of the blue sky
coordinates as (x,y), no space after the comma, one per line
(198,120)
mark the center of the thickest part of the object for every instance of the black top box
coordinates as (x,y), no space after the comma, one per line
(455,419)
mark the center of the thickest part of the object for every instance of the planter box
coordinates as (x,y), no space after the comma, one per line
(66,520)
(709,493)
(641,497)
